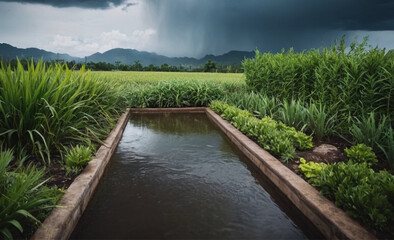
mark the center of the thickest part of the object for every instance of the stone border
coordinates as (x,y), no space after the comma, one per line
(61,222)
(332,222)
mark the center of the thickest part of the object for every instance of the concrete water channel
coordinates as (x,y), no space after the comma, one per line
(177,176)
(189,174)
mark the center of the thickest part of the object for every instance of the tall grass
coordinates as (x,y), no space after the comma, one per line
(352,83)
(319,122)
(311,118)
(23,196)
(259,104)
(294,114)
(177,93)
(342,87)
(44,108)
(374,132)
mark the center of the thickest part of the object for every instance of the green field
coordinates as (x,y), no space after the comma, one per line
(143,77)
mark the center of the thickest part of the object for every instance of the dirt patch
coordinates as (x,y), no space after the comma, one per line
(328,151)
(58,176)
(325,153)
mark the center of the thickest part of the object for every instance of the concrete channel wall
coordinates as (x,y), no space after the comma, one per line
(330,220)
(61,222)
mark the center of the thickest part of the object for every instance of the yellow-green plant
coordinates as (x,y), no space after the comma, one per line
(273,136)
(311,170)
(361,153)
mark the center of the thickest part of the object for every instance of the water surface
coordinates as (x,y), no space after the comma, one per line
(176,176)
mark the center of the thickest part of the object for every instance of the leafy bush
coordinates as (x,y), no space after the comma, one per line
(311,170)
(23,198)
(361,153)
(362,193)
(271,135)
(77,158)
(44,108)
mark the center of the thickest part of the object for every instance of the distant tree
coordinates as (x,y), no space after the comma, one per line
(117,64)
(78,66)
(173,69)
(209,66)
(71,64)
(164,67)
(137,66)
(124,67)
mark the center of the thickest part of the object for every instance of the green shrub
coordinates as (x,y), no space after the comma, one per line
(362,193)
(311,170)
(77,158)
(361,153)
(44,108)
(23,198)
(271,135)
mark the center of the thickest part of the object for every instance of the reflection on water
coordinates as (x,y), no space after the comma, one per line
(175,176)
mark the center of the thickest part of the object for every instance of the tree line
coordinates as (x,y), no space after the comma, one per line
(209,66)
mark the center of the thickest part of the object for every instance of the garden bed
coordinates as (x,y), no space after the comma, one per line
(349,181)
(62,220)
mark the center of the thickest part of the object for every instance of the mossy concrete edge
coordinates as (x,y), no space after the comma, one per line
(62,220)
(332,222)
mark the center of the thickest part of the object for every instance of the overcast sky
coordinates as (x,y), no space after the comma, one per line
(192,27)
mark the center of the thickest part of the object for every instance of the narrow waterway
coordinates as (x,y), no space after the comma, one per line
(175,176)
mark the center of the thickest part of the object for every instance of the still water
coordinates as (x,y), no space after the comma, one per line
(175,176)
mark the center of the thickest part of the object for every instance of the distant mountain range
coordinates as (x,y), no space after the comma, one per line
(124,56)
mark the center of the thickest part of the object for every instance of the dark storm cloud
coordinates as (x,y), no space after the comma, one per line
(220,25)
(93,4)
